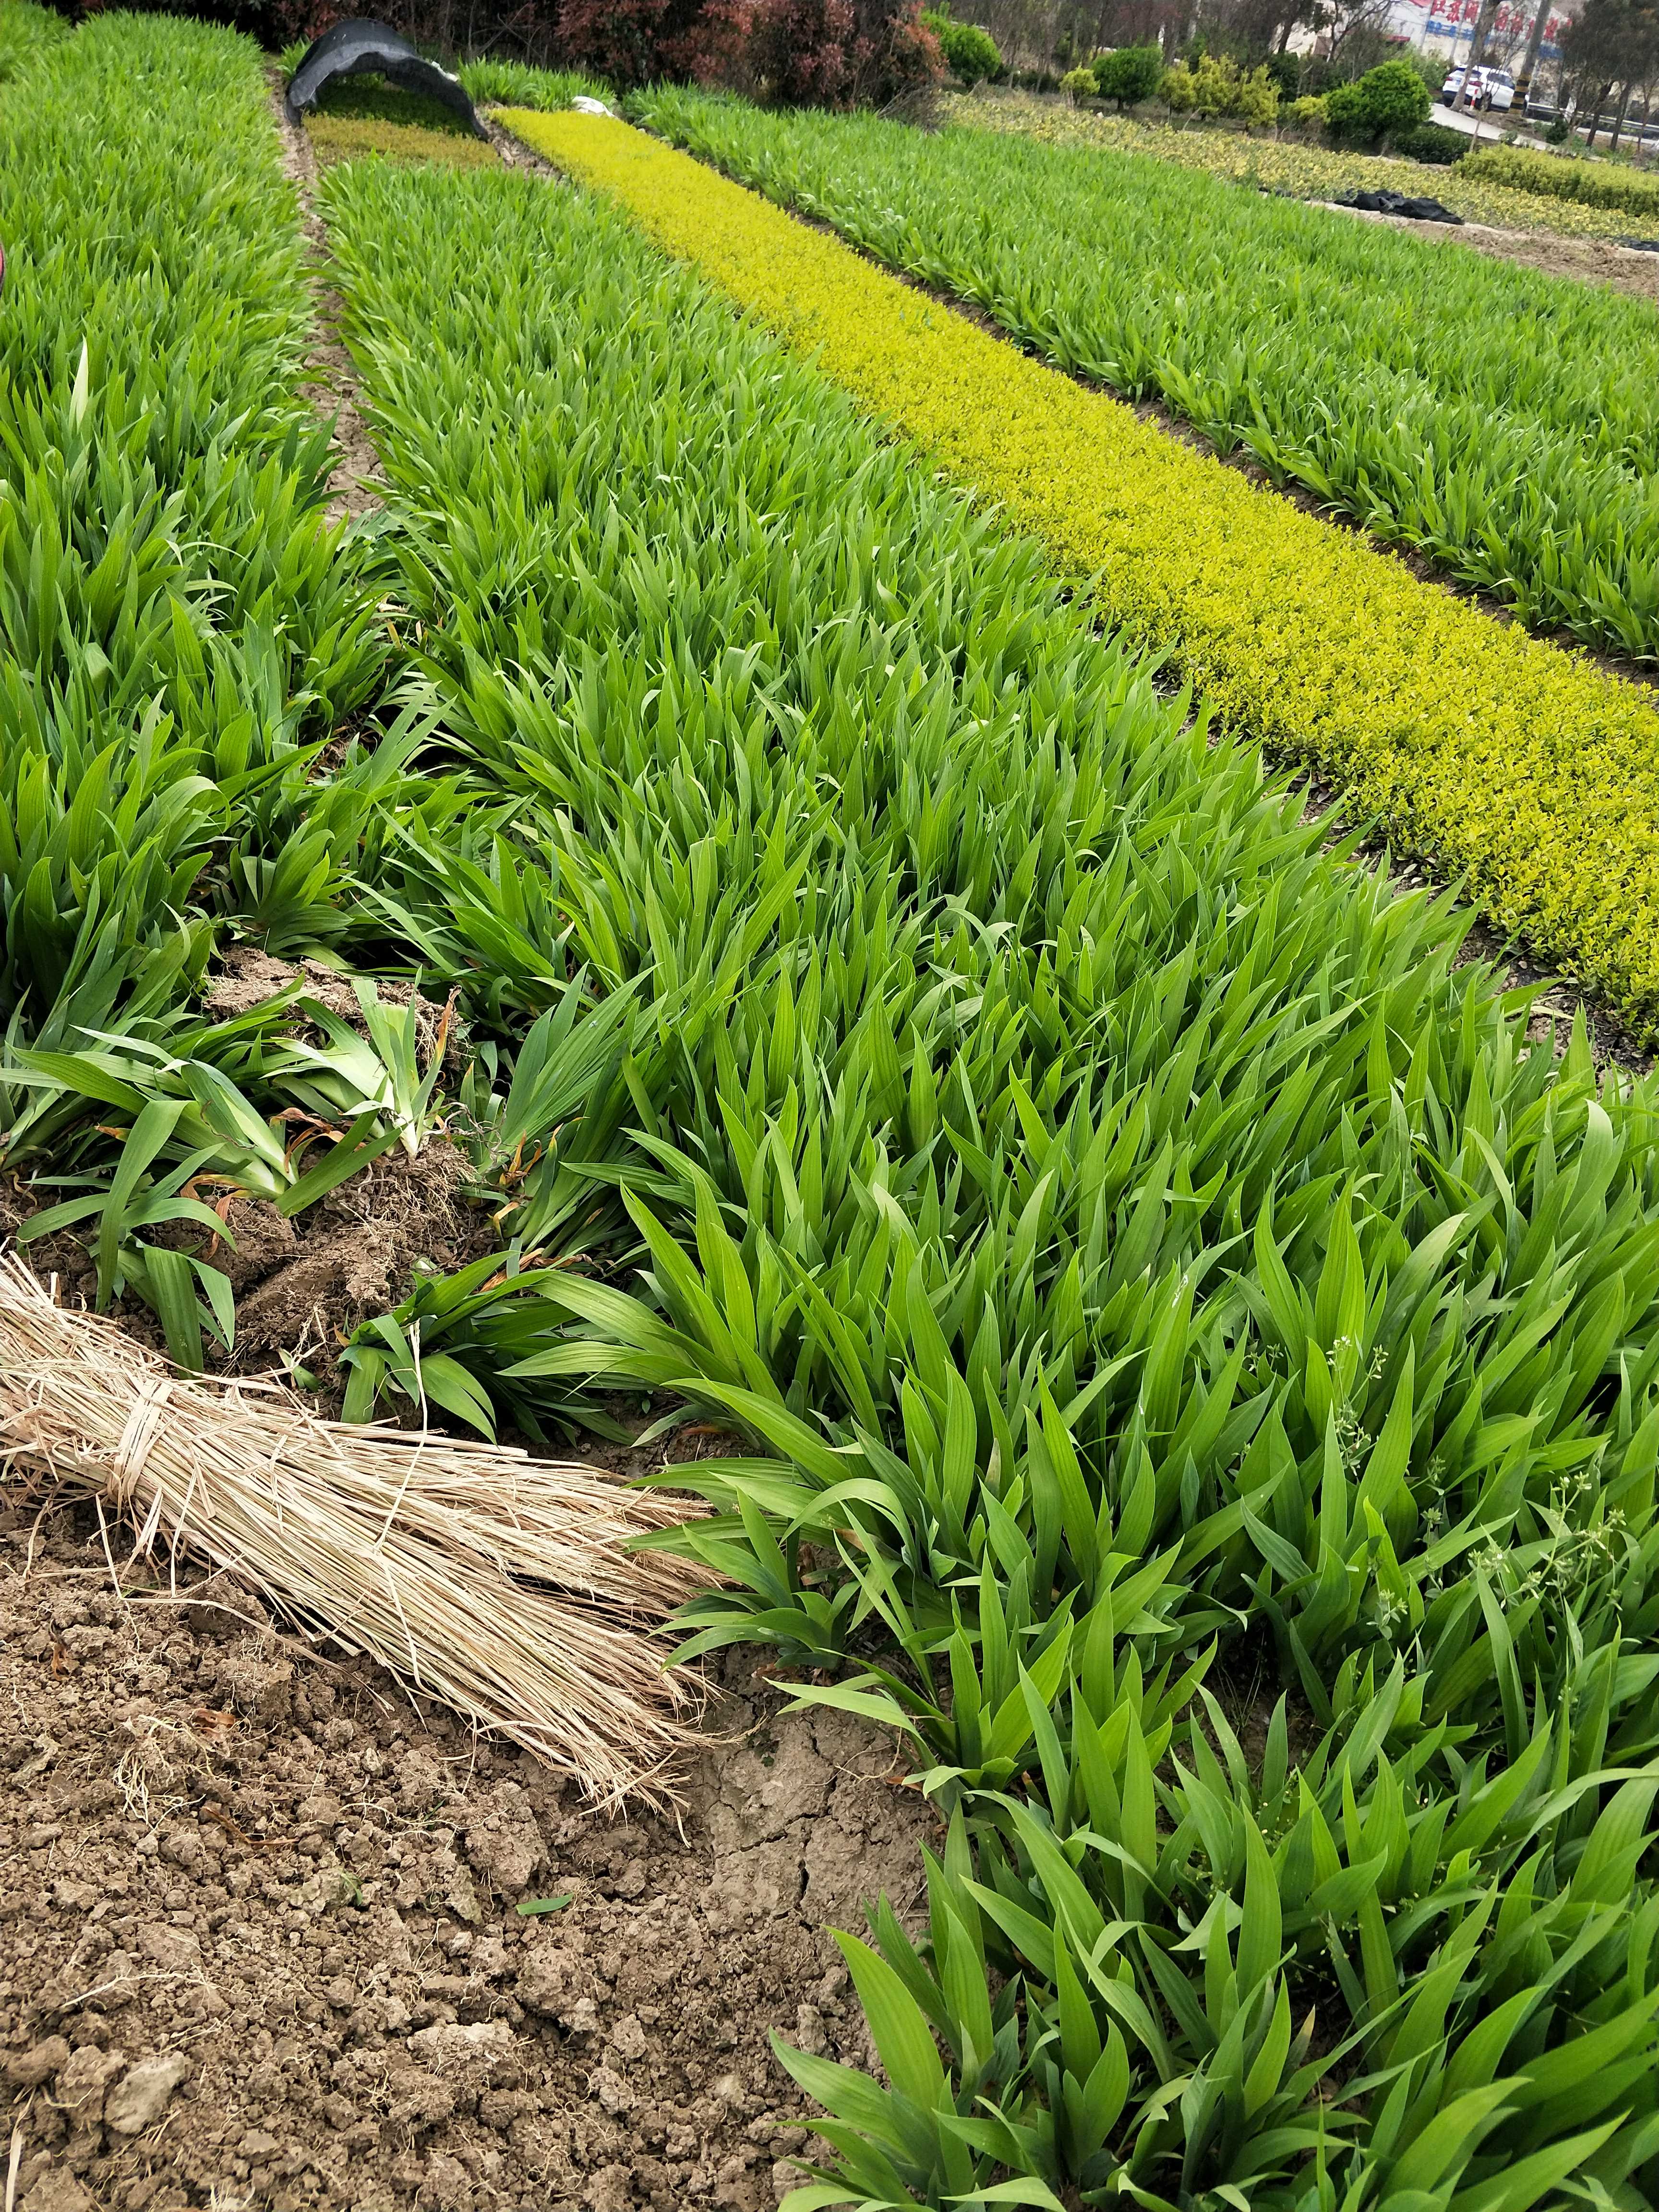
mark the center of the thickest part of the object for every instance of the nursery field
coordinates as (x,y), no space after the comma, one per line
(1499,189)
(1538,790)
(1501,421)
(679,913)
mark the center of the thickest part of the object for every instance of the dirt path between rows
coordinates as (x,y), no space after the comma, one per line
(259,1942)
(357,482)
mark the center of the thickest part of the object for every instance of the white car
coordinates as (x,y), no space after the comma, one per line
(1492,87)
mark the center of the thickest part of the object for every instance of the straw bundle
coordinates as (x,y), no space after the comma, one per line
(492,1581)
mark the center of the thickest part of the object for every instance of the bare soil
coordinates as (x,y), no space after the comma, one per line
(259,1942)
(1588,260)
(303,1285)
(515,154)
(248,977)
(357,482)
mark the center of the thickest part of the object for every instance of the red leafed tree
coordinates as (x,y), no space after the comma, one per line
(629,42)
(841,54)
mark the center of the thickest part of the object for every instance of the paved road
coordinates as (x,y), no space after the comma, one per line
(1490,127)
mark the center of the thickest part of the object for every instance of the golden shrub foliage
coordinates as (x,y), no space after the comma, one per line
(1507,760)
(354,138)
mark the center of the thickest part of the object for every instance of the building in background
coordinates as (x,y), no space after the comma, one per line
(1446,27)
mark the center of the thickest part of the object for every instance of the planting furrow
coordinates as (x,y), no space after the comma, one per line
(1135,1256)
(176,629)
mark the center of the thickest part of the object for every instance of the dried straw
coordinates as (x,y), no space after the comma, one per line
(492,1581)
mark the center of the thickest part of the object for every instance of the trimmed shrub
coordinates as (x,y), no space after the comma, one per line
(1176,88)
(1216,88)
(1285,70)
(970,53)
(1592,183)
(1080,82)
(1427,141)
(1129,75)
(1307,113)
(1256,102)
(1391,97)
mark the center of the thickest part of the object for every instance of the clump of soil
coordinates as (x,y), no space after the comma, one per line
(248,977)
(303,1284)
(259,1948)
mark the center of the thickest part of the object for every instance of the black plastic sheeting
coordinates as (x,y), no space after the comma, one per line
(360,48)
(1397,203)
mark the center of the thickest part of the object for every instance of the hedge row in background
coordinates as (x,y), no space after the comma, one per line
(1501,420)
(1132,1250)
(1555,176)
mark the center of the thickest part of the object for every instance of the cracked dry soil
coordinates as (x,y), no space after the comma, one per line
(260,1944)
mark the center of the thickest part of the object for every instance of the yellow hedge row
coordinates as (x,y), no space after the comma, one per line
(354,138)
(1496,754)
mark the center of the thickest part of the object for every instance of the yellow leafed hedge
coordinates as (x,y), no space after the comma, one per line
(1498,756)
(1564,177)
(354,138)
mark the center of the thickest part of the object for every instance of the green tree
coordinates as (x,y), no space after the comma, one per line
(1611,49)
(970,53)
(1390,97)
(1128,75)
(1257,100)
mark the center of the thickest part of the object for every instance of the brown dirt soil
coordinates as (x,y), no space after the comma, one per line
(1588,260)
(303,1285)
(248,977)
(260,1948)
(358,482)
(514,153)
